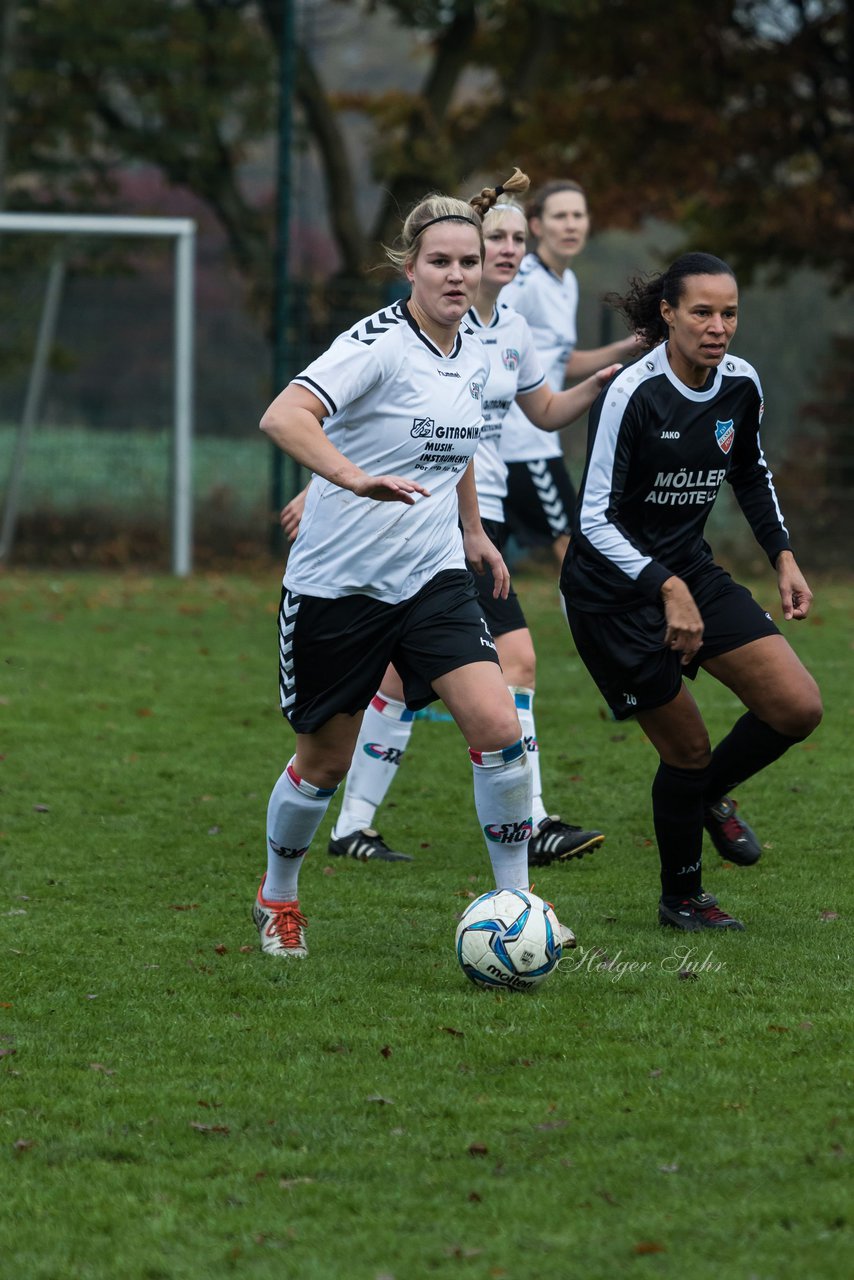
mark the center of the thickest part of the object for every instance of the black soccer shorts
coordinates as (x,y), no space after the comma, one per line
(625,653)
(334,653)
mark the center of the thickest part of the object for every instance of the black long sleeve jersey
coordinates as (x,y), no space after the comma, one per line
(658,452)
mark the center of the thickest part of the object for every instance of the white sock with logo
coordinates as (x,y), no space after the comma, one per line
(524,699)
(383,738)
(502,798)
(294,812)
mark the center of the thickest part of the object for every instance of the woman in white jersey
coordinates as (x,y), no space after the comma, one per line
(540,498)
(388,420)
(515,374)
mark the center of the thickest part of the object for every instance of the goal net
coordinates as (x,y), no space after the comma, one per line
(96,381)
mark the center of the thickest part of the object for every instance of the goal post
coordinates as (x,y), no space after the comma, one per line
(183,232)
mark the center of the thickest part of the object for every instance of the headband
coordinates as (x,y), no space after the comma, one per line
(446,217)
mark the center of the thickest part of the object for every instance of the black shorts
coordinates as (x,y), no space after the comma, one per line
(333,653)
(625,653)
(502,616)
(540,502)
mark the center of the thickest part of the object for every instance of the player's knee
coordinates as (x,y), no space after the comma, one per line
(692,752)
(327,772)
(803,715)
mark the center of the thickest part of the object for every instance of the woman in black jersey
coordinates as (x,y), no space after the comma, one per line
(645,600)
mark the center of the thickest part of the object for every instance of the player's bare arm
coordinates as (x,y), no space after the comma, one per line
(480,551)
(582,363)
(685,627)
(294,421)
(552,410)
(291,514)
(792,585)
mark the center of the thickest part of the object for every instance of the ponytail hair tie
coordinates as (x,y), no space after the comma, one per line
(499,191)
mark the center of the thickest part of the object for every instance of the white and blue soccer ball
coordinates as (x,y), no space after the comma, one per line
(508,938)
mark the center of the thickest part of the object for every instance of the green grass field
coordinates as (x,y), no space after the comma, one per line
(174,1106)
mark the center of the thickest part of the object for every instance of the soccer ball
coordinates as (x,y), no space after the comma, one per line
(508,938)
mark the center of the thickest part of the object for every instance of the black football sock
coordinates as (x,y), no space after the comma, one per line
(677,812)
(750,746)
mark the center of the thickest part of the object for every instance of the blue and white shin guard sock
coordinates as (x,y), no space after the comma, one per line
(383,738)
(502,798)
(295,811)
(524,699)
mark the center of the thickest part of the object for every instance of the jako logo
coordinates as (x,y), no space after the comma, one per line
(422,427)
(671,435)
(391,755)
(508,832)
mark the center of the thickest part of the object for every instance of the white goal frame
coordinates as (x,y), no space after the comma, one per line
(183,232)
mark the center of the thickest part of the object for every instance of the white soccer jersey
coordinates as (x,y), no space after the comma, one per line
(549,303)
(514,369)
(397,406)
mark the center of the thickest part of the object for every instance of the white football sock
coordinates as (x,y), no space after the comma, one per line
(294,813)
(502,798)
(383,738)
(524,699)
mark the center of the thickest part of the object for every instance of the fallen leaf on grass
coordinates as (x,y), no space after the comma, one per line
(452,1031)
(142,712)
(378,1098)
(656,1071)
(553,1124)
(648,1246)
(688,975)
(460,1251)
(668,1168)
(474,1197)
(221,949)
(209,1128)
(478,1149)
(183,906)
(99,1066)
(7,1053)
(23,1144)
(287,1183)
(386,1051)
(41,808)
(829,915)
(772,1026)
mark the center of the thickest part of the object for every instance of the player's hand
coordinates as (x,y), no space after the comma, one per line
(685,627)
(605,375)
(482,554)
(388,489)
(792,585)
(291,515)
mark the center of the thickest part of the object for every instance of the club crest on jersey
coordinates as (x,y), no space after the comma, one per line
(725,434)
(510,359)
(475,389)
(422,427)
